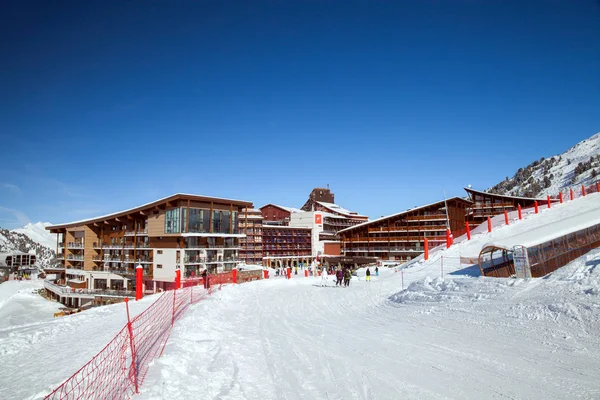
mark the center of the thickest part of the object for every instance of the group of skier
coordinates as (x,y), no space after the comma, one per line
(342,276)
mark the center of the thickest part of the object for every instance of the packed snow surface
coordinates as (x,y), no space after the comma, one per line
(434,329)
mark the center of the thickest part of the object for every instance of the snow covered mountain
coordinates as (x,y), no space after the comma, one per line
(26,240)
(38,233)
(547,176)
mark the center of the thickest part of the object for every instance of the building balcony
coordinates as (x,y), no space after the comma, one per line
(138,233)
(73,257)
(143,260)
(75,245)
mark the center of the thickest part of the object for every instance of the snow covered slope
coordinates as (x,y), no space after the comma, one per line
(38,233)
(408,334)
(578,165)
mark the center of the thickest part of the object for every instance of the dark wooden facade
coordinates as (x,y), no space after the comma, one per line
(401,236)
(486,205)
(275,214)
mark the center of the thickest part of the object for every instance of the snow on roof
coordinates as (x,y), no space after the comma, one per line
(111,215)
(288,209)
(403,212)
(549,231)
(504,195)
(338,209)
(549,223)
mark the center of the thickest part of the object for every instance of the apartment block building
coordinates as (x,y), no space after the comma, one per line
(190,232)
(286,245)
(251,246)
(401,236)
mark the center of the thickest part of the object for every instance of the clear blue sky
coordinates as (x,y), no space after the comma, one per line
(105,105)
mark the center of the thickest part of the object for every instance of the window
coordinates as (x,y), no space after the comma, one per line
(158,265)
(158,251)
(172,221)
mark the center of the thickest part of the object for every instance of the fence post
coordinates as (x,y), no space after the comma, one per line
(560,197)
(489,225)
(173,315)
(535,205)
(402,280)
(468,230)
(426,245)
(234,275)
(598,187)
(177,279)
(520,212)
(448,238)
(506,217)
(133,353)
(583,190)
(571,193)
(139,282)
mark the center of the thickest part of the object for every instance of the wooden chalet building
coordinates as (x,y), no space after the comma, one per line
(183,231)
(274,214)
(401,236)
(486,205)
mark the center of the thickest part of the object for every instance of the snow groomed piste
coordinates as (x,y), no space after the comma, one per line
(448,333)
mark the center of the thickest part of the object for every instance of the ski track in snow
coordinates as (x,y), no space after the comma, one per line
(475,338)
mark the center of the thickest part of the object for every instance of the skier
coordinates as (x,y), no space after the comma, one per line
(376,271)
(339,277)
(324,277)
(368,275)
(347,276)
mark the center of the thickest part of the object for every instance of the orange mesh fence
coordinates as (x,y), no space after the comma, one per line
(118,370)
(106,376)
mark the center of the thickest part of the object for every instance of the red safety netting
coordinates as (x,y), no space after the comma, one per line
(106,376)
(120,368)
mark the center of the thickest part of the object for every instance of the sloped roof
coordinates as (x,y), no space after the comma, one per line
(176,196)
(531,199)
(335,208)
(284,208)
(460,199)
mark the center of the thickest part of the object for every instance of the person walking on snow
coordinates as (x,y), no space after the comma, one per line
(324,277)
(368,275)
(339,275)
(347,277)
(376,271)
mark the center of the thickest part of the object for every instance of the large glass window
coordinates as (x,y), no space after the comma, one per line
(172,221)
(225,220)
(196,220)
(206,220)
(183,219)
(235,223)
(216,221)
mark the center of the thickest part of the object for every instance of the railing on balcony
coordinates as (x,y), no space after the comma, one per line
(72,257)
(64,290)
(143,260)
(75,245)
(138,233)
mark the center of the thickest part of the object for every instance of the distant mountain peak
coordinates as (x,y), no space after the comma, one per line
(38,233)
